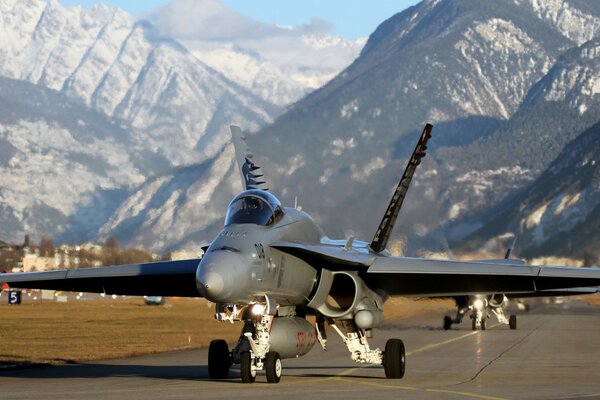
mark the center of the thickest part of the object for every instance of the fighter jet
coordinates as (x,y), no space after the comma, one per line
(483,306)
(272,266)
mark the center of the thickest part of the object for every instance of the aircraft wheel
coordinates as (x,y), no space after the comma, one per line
(447,323)
(273,367)
(483,324)
(394,360)
(218,360)
(248,374)
(474,324)
(512,322)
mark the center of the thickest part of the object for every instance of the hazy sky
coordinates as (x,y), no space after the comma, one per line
(350,18)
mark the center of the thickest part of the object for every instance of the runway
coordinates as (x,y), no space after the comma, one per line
(554,354)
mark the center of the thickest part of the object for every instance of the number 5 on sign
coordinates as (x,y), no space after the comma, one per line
(14,297)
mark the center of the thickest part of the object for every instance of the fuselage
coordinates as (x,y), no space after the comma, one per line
(240,267)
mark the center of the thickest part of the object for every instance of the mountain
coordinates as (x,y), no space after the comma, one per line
(478,72)
(559,213)
(508,84)
(94,103)
(469,68)
(557,109)
(64,167)
(183,208)
(280,64)
(126,70)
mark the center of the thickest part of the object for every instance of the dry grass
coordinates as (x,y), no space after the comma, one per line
(592,299)
(98,329)
(405,307)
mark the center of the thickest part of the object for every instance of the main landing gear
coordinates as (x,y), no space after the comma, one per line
(263,334)
(393,358)
(479,316)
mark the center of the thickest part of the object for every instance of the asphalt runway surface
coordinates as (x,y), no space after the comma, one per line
(554,354)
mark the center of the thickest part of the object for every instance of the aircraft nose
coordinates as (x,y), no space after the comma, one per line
(218,276)
(212,283)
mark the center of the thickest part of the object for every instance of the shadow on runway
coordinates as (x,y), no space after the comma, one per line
(179,372)
(175,372)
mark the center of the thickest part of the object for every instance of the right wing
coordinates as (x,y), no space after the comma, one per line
(408,276)
(164,278)
(419,276)
(557,293)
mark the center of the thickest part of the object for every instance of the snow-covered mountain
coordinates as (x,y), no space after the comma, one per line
(179,209)
(64,168)
(278,63)
(126,70)
(563,202)
(467,67)
(507,85)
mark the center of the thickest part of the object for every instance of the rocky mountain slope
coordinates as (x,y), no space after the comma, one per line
(94,103)
(280,64)
(64,167)
(559,213)
(507,84)
(126,70)
(467,68)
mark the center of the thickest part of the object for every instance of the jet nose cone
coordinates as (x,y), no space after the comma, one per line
(218,276)
(211,285)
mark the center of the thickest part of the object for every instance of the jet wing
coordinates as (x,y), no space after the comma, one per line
(427,277)
(417,276)
(165,278)
(557,292)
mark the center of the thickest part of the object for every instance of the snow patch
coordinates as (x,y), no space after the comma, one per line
(360,174)
(349,109)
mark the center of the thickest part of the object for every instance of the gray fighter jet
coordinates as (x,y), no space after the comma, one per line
(271,266)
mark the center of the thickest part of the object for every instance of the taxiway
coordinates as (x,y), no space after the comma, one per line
(554,354)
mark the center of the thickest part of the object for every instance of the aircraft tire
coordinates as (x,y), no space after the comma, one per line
(474,324)
(483,324)
(273,367)
(512,322)
(447,323)
(218,359)
(248,375)
(394,359)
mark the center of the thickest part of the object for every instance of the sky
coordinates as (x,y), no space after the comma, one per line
(350,19)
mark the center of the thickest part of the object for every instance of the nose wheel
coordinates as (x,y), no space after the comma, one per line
(246,369)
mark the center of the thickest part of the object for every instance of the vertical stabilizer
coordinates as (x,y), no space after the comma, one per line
(384,231)
(252,176)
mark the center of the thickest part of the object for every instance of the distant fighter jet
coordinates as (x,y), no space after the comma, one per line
(271,266)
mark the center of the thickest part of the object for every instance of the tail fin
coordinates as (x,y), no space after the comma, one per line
(382,235)
(252,177)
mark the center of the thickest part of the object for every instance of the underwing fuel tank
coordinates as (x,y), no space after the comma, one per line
(292,336)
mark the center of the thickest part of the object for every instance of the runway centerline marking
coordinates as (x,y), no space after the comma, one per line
(434,345)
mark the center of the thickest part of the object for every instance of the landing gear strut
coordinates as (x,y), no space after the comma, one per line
(393,359)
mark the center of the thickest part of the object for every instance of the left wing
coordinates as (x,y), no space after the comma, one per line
(427,277)
(165,278)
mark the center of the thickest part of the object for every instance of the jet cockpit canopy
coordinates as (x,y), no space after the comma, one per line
(254,207)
